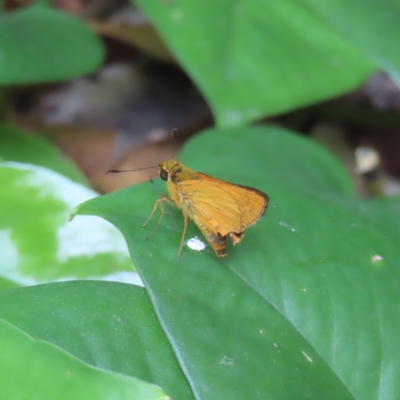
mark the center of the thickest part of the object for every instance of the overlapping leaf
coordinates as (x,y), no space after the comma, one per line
(36,370)
(257,58)
(106,324)
(39,44)
(38,244)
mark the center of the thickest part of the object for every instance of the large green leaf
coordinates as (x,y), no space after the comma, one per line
(35,370)
(17,145)
(38,244)
(305,307)
(106,324)
(372,26)
(38,44)
(256,58)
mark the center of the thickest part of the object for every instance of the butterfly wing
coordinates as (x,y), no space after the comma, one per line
(220,208)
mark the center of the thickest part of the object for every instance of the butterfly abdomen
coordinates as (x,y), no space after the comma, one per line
(217,242)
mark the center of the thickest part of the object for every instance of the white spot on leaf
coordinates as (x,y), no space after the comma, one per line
(286,225)
(196,244)
(227,361)
(307,356)
(376,258)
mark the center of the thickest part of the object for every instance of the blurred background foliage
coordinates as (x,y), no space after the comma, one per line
(89,86)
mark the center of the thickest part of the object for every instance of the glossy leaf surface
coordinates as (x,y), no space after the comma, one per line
(33,369)
(40,44)
(257,58)
(106,324)
(303,299)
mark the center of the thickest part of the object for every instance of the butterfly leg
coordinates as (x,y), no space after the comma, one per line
(183,234)
(160,202)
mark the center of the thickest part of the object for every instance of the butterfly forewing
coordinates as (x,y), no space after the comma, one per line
(224,206)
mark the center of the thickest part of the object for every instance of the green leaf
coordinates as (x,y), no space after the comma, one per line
(38,44)
(372,26)
(38,244)
(251,59)
(17,145)
(302,308)
(35,370)
(106,324)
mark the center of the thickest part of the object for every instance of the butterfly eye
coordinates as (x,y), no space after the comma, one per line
(164,174)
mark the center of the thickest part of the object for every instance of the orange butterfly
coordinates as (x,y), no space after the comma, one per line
(218,208)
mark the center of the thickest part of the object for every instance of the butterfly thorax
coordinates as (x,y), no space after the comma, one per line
(174,173)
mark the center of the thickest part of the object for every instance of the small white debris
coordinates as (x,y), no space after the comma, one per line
(227,361)
(286,225)
(196,244)
(275,345)
(306,356)
(376,258)
(304,290)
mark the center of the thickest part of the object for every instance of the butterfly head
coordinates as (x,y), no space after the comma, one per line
(175,172)
(170,170)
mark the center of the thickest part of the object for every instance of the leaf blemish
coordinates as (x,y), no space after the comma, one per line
(227,361)
(307,356)
(376,258)
(286,225)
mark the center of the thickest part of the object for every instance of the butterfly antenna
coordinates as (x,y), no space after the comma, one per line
(116,171)
(173,132)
